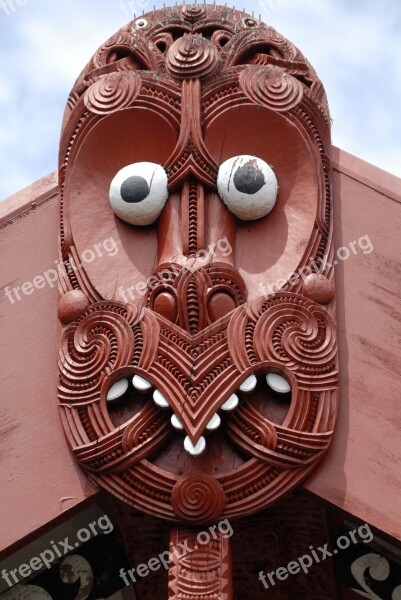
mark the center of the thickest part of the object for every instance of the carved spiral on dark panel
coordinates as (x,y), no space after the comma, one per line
(111,93)
(271,87)
(192,56)
(296,333)
(198,499)
(100,342)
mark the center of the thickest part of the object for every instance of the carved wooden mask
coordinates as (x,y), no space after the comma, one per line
(198,368)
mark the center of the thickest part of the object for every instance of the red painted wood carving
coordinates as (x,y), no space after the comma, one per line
(203,571)
(198,367)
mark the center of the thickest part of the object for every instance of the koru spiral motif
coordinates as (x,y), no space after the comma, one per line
(197,353)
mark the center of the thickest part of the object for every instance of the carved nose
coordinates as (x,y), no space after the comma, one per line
(193,225)
(196,241)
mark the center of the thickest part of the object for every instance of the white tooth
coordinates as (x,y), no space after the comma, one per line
(141,384)
(214,423)
(176,423)
(231,403)
(278,383)
(160,400)
(249,384)
(117,390)
(197,449)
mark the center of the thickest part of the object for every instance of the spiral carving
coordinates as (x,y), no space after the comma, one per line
(296,333)
(99,343)
(119,40)
(198,499)
(192,56)
(286,47)
(111,93)
(193,12)
(271,87)
(196,357)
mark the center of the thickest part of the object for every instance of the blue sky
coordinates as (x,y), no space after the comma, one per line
(355,46)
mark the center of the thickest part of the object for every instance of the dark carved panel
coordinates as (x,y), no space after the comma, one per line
(273,539)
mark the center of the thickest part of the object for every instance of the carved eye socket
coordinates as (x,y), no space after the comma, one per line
(248,186)
(139,192)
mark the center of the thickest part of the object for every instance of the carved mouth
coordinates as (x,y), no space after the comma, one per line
(126,395)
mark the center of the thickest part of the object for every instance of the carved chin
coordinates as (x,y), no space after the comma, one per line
(239,384)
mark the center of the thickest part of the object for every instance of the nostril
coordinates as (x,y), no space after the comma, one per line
(166,305)
(219,305)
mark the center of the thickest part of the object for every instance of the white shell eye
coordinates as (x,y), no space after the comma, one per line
(139,192)
(248,186)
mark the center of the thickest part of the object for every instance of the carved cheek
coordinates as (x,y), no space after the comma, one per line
(270,248)
(120,139)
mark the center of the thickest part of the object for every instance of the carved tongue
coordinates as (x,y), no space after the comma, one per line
(195,447)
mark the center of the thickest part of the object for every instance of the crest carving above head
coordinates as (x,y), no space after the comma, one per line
(198,354)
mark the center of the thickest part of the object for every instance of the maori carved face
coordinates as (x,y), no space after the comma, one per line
(198,369)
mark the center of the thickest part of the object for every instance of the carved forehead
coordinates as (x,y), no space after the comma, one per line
(204,41)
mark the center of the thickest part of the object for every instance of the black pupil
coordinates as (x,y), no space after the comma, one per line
(248,179)
(134,189)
